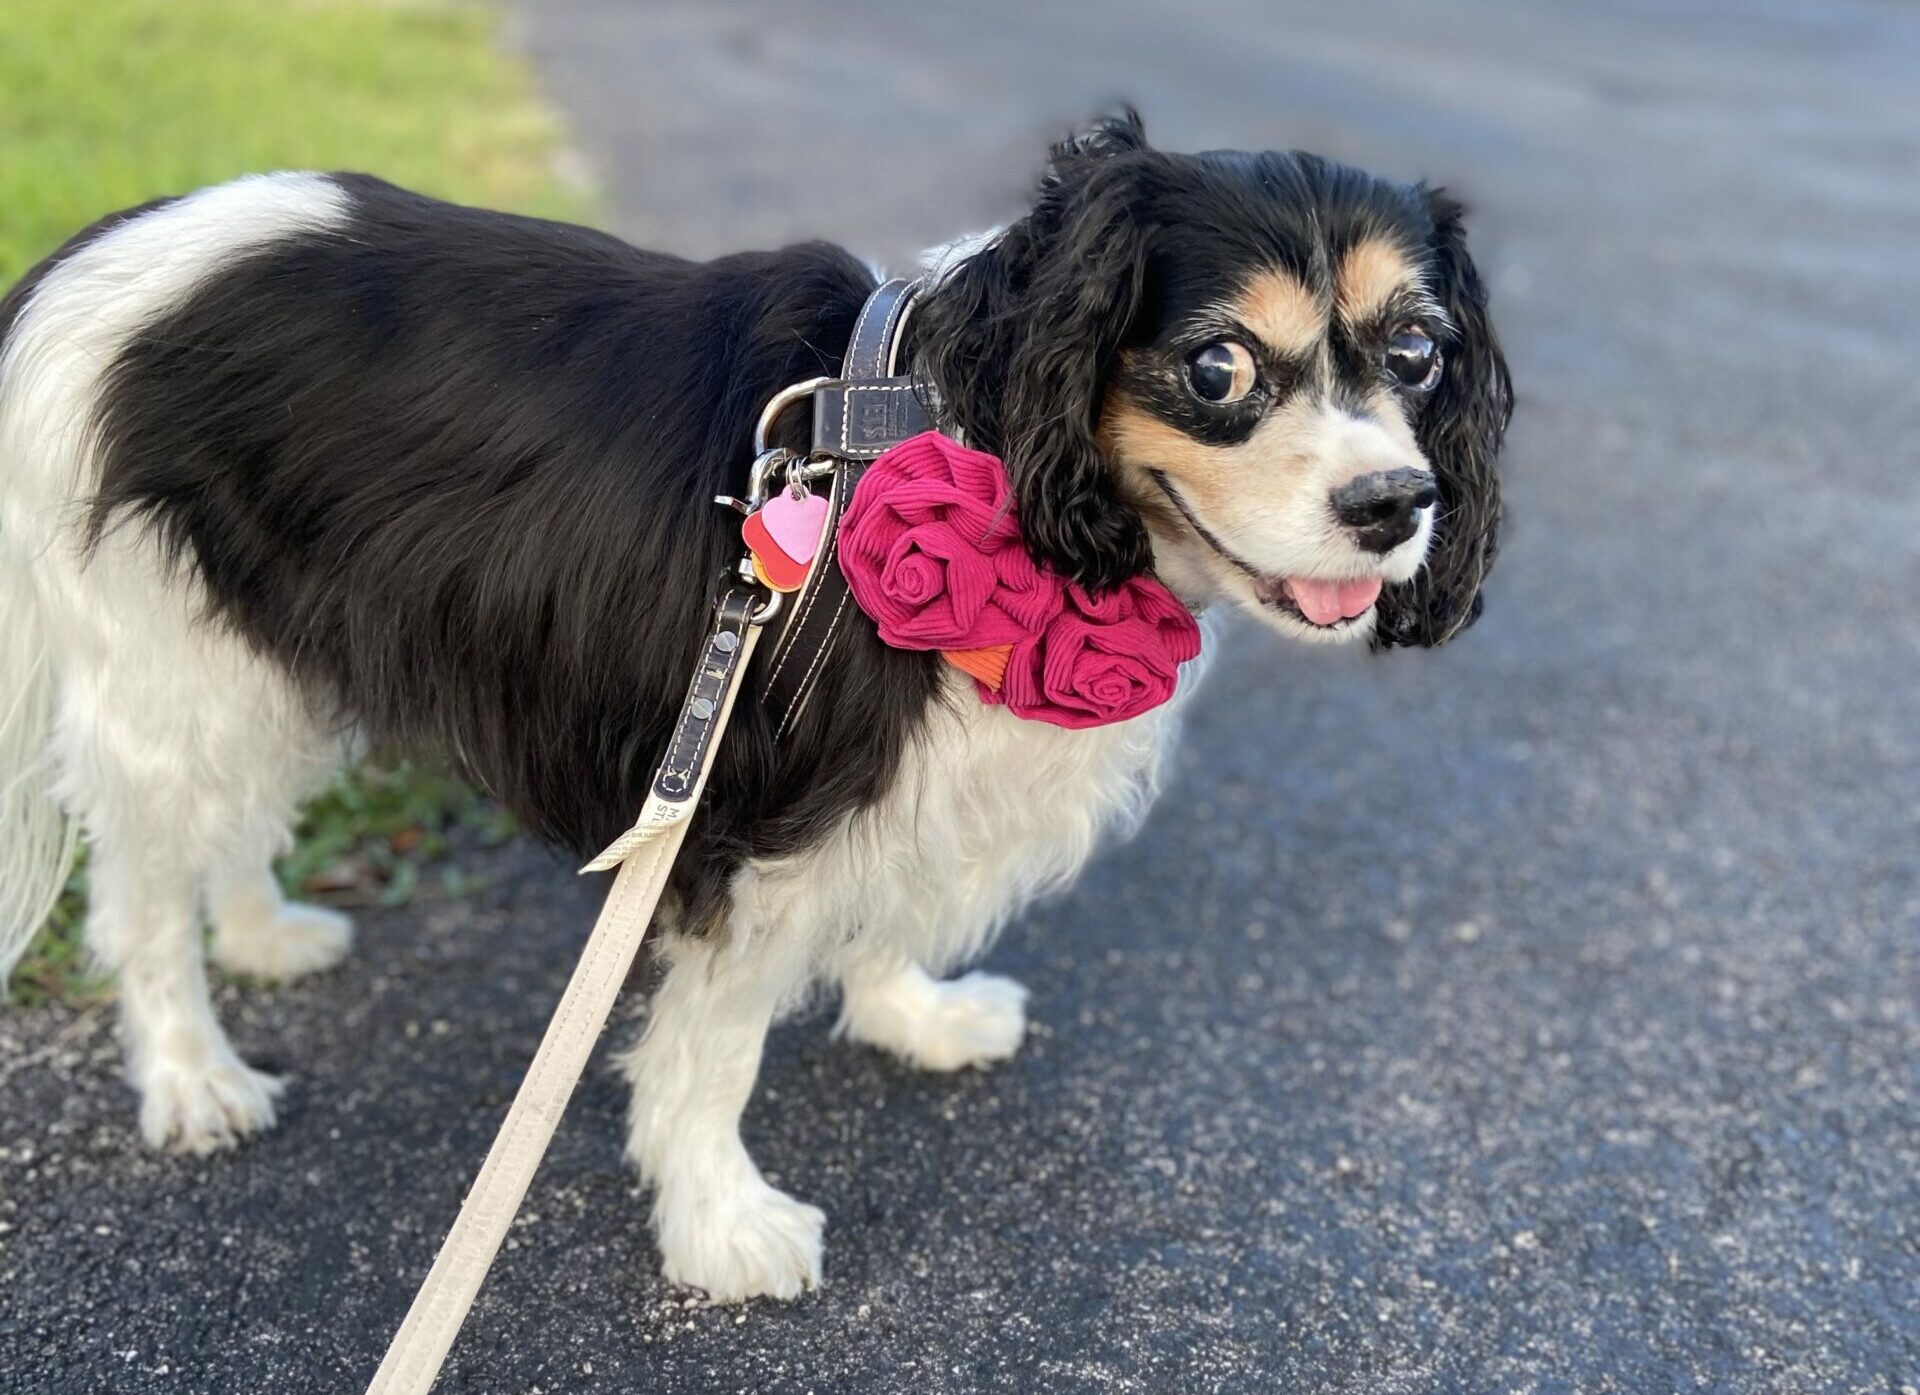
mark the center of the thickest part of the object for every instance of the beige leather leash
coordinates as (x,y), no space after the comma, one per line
(644,855)
(855,418)
(440,1307)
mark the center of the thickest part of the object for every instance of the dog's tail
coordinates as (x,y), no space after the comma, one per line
(37,836)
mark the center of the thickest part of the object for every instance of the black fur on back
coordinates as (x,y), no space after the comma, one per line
(454,469)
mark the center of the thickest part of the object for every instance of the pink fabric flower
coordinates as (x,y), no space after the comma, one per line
(931,549)
(1105,658)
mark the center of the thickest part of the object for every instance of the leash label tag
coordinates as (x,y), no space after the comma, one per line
(659,815)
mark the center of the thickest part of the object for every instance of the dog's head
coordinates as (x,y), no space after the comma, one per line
(1268,376)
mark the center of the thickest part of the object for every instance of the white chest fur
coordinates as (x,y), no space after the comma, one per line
(988,812)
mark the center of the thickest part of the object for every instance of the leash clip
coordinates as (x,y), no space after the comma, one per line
(771,463)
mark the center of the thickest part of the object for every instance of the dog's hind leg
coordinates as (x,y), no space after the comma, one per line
(973,1020)
(721,1226)
(143,924)
(182,753)
(167,814)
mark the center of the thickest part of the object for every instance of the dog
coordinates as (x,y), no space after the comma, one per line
(306,461)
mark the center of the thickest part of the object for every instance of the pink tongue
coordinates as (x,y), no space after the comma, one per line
(1325,602)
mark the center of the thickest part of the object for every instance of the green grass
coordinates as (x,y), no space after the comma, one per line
(107,103)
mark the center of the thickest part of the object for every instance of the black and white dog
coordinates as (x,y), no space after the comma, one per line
(306,461)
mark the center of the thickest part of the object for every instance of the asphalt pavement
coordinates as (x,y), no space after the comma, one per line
(1540,1015)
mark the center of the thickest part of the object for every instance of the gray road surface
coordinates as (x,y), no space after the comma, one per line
(1542,1015)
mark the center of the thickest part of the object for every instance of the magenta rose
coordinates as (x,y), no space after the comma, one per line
(1104,658)
(931,549)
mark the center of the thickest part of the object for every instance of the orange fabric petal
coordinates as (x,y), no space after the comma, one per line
(988,665)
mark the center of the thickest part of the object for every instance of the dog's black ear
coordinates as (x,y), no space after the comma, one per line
(1460,429)
(1019,338)
(1123,133)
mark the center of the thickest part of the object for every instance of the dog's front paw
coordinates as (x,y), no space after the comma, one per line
(973,1020)
(978,1019)
(296,941)
(203,1108)
(735,1243)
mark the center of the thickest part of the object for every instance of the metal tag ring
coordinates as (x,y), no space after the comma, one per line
(779,403)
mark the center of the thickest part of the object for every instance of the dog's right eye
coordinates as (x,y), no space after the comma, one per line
(1413,359)
(1220,372)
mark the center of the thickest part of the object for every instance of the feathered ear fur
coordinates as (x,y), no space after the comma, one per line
(1460,430)
(1018,340)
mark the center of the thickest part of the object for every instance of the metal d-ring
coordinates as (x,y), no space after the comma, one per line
(766,612)
(779,403)
(743,574)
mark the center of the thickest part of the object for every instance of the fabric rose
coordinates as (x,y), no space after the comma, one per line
(1104,658)
(931,549)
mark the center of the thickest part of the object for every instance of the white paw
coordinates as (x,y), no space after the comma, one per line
(973,1020)
(202,1109)
(745,1241)
(298,940)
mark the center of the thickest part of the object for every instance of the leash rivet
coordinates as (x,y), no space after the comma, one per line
(726,641)
(702,709)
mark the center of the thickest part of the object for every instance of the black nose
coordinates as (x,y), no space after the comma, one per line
(1383,509)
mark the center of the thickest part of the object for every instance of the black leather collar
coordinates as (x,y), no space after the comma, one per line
(855,418)
(870,408)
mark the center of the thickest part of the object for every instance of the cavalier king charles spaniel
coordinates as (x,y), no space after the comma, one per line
(306,462)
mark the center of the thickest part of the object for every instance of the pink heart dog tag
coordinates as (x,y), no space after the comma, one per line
(794,524)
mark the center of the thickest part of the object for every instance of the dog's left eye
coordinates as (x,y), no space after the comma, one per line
(1220,372)
(1413,358)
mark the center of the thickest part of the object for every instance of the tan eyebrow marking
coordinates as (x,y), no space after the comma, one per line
(1371,273)
(1284,313)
